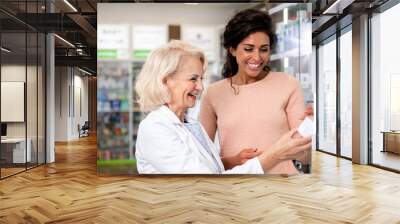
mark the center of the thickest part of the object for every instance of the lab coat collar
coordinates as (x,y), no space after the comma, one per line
(172,116)
(169,114)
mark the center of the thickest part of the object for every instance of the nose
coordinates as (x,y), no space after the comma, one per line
(199,85)
(256,55)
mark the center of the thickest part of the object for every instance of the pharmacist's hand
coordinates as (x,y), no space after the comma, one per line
(290,148)
(240,158)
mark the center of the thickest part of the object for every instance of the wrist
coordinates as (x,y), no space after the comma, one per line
(268,159)
(229,162)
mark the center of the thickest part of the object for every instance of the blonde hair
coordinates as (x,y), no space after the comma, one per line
(161,63)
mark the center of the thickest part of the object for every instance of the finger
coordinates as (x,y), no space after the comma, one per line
(252,155)
(301,148)
(291,132)
(301,155)
(301,141)
(245,151)
(250,150)
(296,154)
(294,130)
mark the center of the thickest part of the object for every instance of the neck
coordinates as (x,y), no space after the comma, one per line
(179,111)
(242,79)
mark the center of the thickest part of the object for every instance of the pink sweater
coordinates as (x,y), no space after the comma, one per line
(257,117)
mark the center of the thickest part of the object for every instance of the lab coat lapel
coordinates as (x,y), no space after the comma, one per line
(215,153)
(191,141)
(214,162)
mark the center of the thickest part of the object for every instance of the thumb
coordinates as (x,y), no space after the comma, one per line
(291,132)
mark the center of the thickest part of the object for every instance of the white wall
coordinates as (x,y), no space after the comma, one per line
(172,13)
(67,115)
(33,126)
(80,94)
(14,73)
(61,103)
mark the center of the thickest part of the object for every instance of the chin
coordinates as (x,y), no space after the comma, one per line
(190,105)
(253,73)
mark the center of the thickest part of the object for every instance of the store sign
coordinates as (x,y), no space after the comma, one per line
(113,54)
(147,38)
(113,36)
(106,54)
(202,37)
(140,54)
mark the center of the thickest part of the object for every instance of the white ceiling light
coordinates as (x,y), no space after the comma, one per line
(285,16)
(65,41)
(70,5)
(337,7)
(5,50)
(191,3)
(86,72)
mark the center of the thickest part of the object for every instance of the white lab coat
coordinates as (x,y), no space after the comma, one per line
(165,145)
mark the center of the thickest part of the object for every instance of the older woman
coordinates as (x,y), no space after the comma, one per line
(170,143)
(252,106)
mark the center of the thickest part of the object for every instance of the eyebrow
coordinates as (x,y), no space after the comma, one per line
(252,45)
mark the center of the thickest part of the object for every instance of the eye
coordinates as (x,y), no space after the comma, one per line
(248,49)
(264,49)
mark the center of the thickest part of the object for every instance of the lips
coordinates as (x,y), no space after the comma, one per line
(254,66)
(192,95)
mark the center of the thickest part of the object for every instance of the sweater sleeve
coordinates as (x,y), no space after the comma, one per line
(295,108)
(208,117)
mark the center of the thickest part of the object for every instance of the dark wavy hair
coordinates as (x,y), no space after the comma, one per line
(243,24)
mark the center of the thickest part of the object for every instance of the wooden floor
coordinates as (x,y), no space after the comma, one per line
(70,191)
(10,171)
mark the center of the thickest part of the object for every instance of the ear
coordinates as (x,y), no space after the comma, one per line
(232,51)
(167,81)
(164,80)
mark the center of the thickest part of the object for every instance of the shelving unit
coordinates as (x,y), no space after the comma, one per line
(293,50)
(137,115)
(115,115)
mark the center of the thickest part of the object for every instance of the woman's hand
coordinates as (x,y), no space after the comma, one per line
(309,112)
(240,158)
(305,158)
(286,148)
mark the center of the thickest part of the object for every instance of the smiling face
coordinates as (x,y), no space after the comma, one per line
(186,84)
(252,54)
